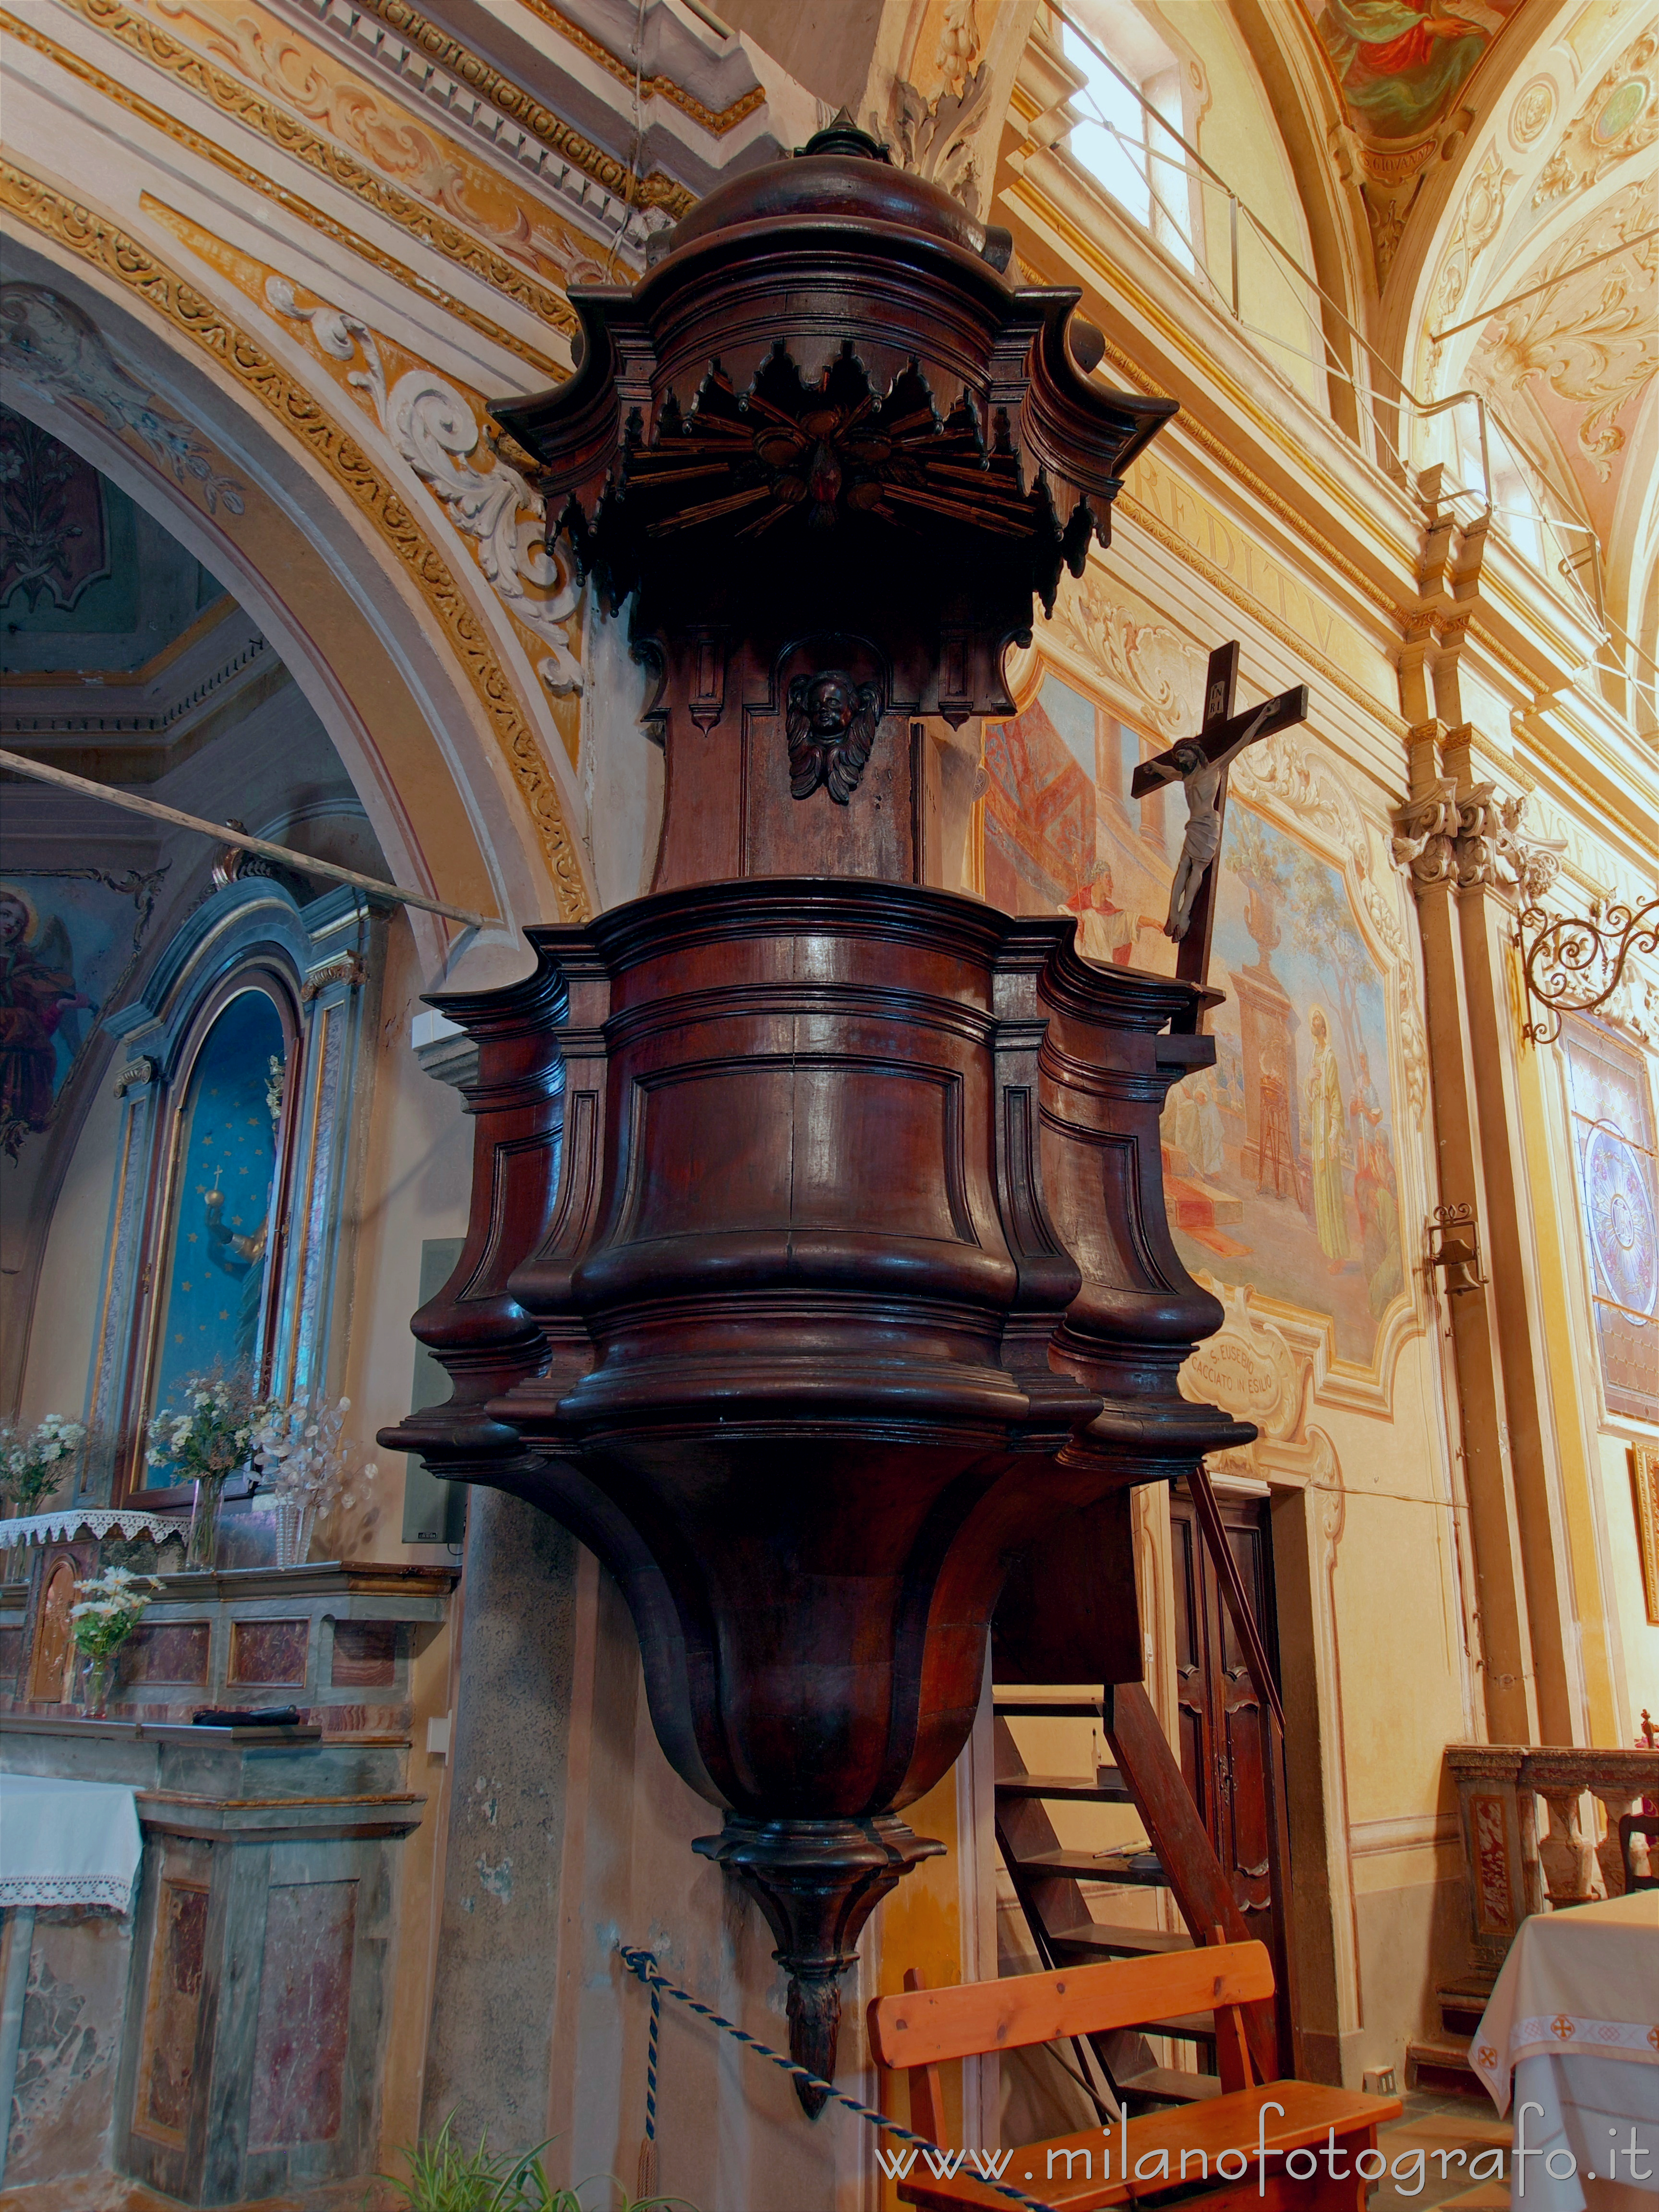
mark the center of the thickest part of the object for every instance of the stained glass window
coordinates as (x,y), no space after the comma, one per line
(1611,1101)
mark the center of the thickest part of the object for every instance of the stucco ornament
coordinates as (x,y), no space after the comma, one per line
(1479,221)
(437,433)
(1248,1369)
(1594,339)
(439,169)
(937,138)
(1534,108)
(1164,671)
(1424,842)
(1633,1004)
(1620,118)
(1472,841)
(50,346)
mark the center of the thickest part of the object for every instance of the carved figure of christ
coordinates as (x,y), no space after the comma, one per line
(1199,764)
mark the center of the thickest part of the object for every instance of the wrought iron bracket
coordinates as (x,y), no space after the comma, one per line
(1573,963)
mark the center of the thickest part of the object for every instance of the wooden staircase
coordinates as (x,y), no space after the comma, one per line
(1070,1612)
(1047,1878)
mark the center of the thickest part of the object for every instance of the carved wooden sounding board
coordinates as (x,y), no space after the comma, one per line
(849,1272)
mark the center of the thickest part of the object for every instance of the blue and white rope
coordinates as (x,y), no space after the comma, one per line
(643,1965)
(651,2064)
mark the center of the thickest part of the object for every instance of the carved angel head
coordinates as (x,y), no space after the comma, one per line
(830,726)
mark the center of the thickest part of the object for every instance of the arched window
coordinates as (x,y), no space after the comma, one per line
(219,1237)
(1167,114)
(230,1213)
(1118,137)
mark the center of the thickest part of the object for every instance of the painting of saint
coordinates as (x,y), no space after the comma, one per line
(38,999)
(1198,1125)
(1328,1142)
(1400,62)
(1375,1193)
(215,1272)
(1304,1205)
(1040,803)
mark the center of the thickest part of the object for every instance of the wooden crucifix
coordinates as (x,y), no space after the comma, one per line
(1199,764)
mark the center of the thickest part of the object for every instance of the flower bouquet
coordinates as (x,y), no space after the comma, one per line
(31,1466)
(310,1469)
(207,1440)
(111,1607)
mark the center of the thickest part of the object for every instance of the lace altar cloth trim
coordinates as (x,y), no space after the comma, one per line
(64,1842)
(100,1520)
(110,1891)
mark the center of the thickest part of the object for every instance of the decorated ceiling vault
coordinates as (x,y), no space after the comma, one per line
(468,443)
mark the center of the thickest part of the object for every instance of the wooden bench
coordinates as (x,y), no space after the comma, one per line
(1225,2153)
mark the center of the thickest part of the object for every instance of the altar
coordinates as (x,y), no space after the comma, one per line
(209,2012)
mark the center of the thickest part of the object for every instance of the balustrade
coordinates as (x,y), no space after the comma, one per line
(1520,1859)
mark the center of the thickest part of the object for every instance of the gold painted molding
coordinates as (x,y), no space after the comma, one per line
(513,100)
(388,362)
(295,139)
(258,39)
(94,239)
(444,238)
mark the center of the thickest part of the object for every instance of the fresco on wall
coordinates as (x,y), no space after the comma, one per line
(215,1278)
(69,938)
(1289,1182)
(1062,833)
(1400,63)
(1279,1162)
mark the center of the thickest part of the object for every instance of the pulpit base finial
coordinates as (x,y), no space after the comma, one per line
(817,1882)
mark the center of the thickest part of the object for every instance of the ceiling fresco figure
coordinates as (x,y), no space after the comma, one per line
(1400,62)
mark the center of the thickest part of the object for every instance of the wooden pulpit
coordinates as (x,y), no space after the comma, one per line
(817,1259)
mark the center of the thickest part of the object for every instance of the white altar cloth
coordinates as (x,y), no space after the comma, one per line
(1570,2039)
(67,1521)
(68,1842)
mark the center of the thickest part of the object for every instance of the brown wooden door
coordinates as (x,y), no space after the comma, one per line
(1225,1752)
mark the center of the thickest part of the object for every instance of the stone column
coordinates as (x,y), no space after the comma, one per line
(489,2052)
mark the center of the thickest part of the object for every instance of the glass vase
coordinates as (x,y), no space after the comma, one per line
(296,1517)
(97,1681)
(202,1551)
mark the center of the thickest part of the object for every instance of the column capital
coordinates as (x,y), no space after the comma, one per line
(1469,837)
